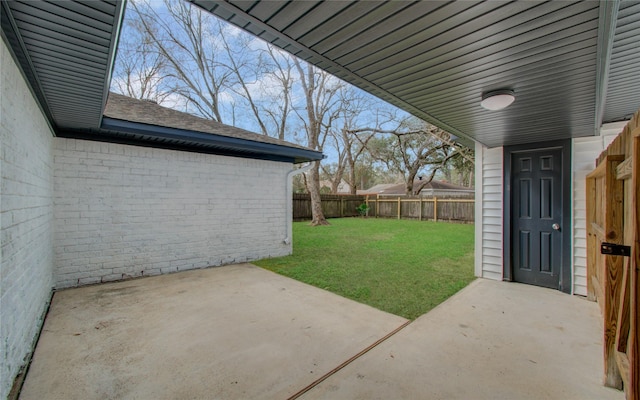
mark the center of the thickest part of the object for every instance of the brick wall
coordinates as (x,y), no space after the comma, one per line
(26,257)
(125,211)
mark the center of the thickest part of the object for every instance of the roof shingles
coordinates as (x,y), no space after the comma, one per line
(147,112)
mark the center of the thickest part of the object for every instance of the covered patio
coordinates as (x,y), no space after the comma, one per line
(243,332)
(240,332)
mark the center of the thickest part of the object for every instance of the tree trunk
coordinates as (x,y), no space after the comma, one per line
(314,191)
(352,179)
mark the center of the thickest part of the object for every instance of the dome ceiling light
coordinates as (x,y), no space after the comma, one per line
(498,99)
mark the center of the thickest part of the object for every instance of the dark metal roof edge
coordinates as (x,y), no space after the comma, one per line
(113,51)
(199,138)
(20,55)
(606,34)
(353,77)
(96,135)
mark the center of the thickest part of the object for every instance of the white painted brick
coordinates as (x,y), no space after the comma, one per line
(141,212)
(26,218)
(88,281)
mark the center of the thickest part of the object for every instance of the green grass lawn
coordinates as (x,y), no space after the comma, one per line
(402,267)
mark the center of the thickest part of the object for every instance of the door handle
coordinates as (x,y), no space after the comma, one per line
(556,227)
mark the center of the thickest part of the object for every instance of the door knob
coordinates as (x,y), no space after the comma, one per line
(556,227)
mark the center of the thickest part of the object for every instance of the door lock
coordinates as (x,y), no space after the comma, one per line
(556,227)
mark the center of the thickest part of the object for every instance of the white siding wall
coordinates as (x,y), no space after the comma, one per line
(26,259)
(489,212)
(125,211)
(584,153)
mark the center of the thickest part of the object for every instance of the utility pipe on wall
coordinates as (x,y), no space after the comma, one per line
(288,229)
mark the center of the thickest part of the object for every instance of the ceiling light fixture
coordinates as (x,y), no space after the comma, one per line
(498,99)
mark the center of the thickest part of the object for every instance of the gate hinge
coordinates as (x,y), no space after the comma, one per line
(613,249)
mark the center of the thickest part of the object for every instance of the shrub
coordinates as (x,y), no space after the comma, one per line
(363,209)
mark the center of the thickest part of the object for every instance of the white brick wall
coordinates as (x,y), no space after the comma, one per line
(26,257)
(125,211)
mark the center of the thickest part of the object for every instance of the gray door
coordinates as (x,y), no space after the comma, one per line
(536,215)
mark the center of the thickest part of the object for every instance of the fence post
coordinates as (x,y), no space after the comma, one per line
(366,201)
(377,204)
(435,209)
(341,207)
(420,210)
(399,206)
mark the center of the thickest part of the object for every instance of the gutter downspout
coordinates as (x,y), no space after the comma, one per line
(288,229)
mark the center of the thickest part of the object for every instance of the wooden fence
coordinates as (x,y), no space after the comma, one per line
(333,206)
(613,253)
(423,209)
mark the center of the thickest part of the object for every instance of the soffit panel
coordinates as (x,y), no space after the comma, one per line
(67,48)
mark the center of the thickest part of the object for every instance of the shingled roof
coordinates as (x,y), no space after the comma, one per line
(144,123)
(150,113)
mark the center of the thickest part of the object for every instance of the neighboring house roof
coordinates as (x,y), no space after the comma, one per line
(399,188)
(440,185)
(379,188)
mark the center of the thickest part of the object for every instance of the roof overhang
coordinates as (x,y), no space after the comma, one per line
(66,50)
(134,133)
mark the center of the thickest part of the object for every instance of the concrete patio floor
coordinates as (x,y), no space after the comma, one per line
(240,332)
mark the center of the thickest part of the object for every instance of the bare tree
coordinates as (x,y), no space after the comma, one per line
(320,101)
(246,70)
(354,105)
(188,42)
(280,71)
(139,71)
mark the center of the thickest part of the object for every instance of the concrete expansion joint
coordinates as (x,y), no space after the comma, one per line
(348,361)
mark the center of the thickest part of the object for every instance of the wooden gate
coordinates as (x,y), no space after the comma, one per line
(613,226)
